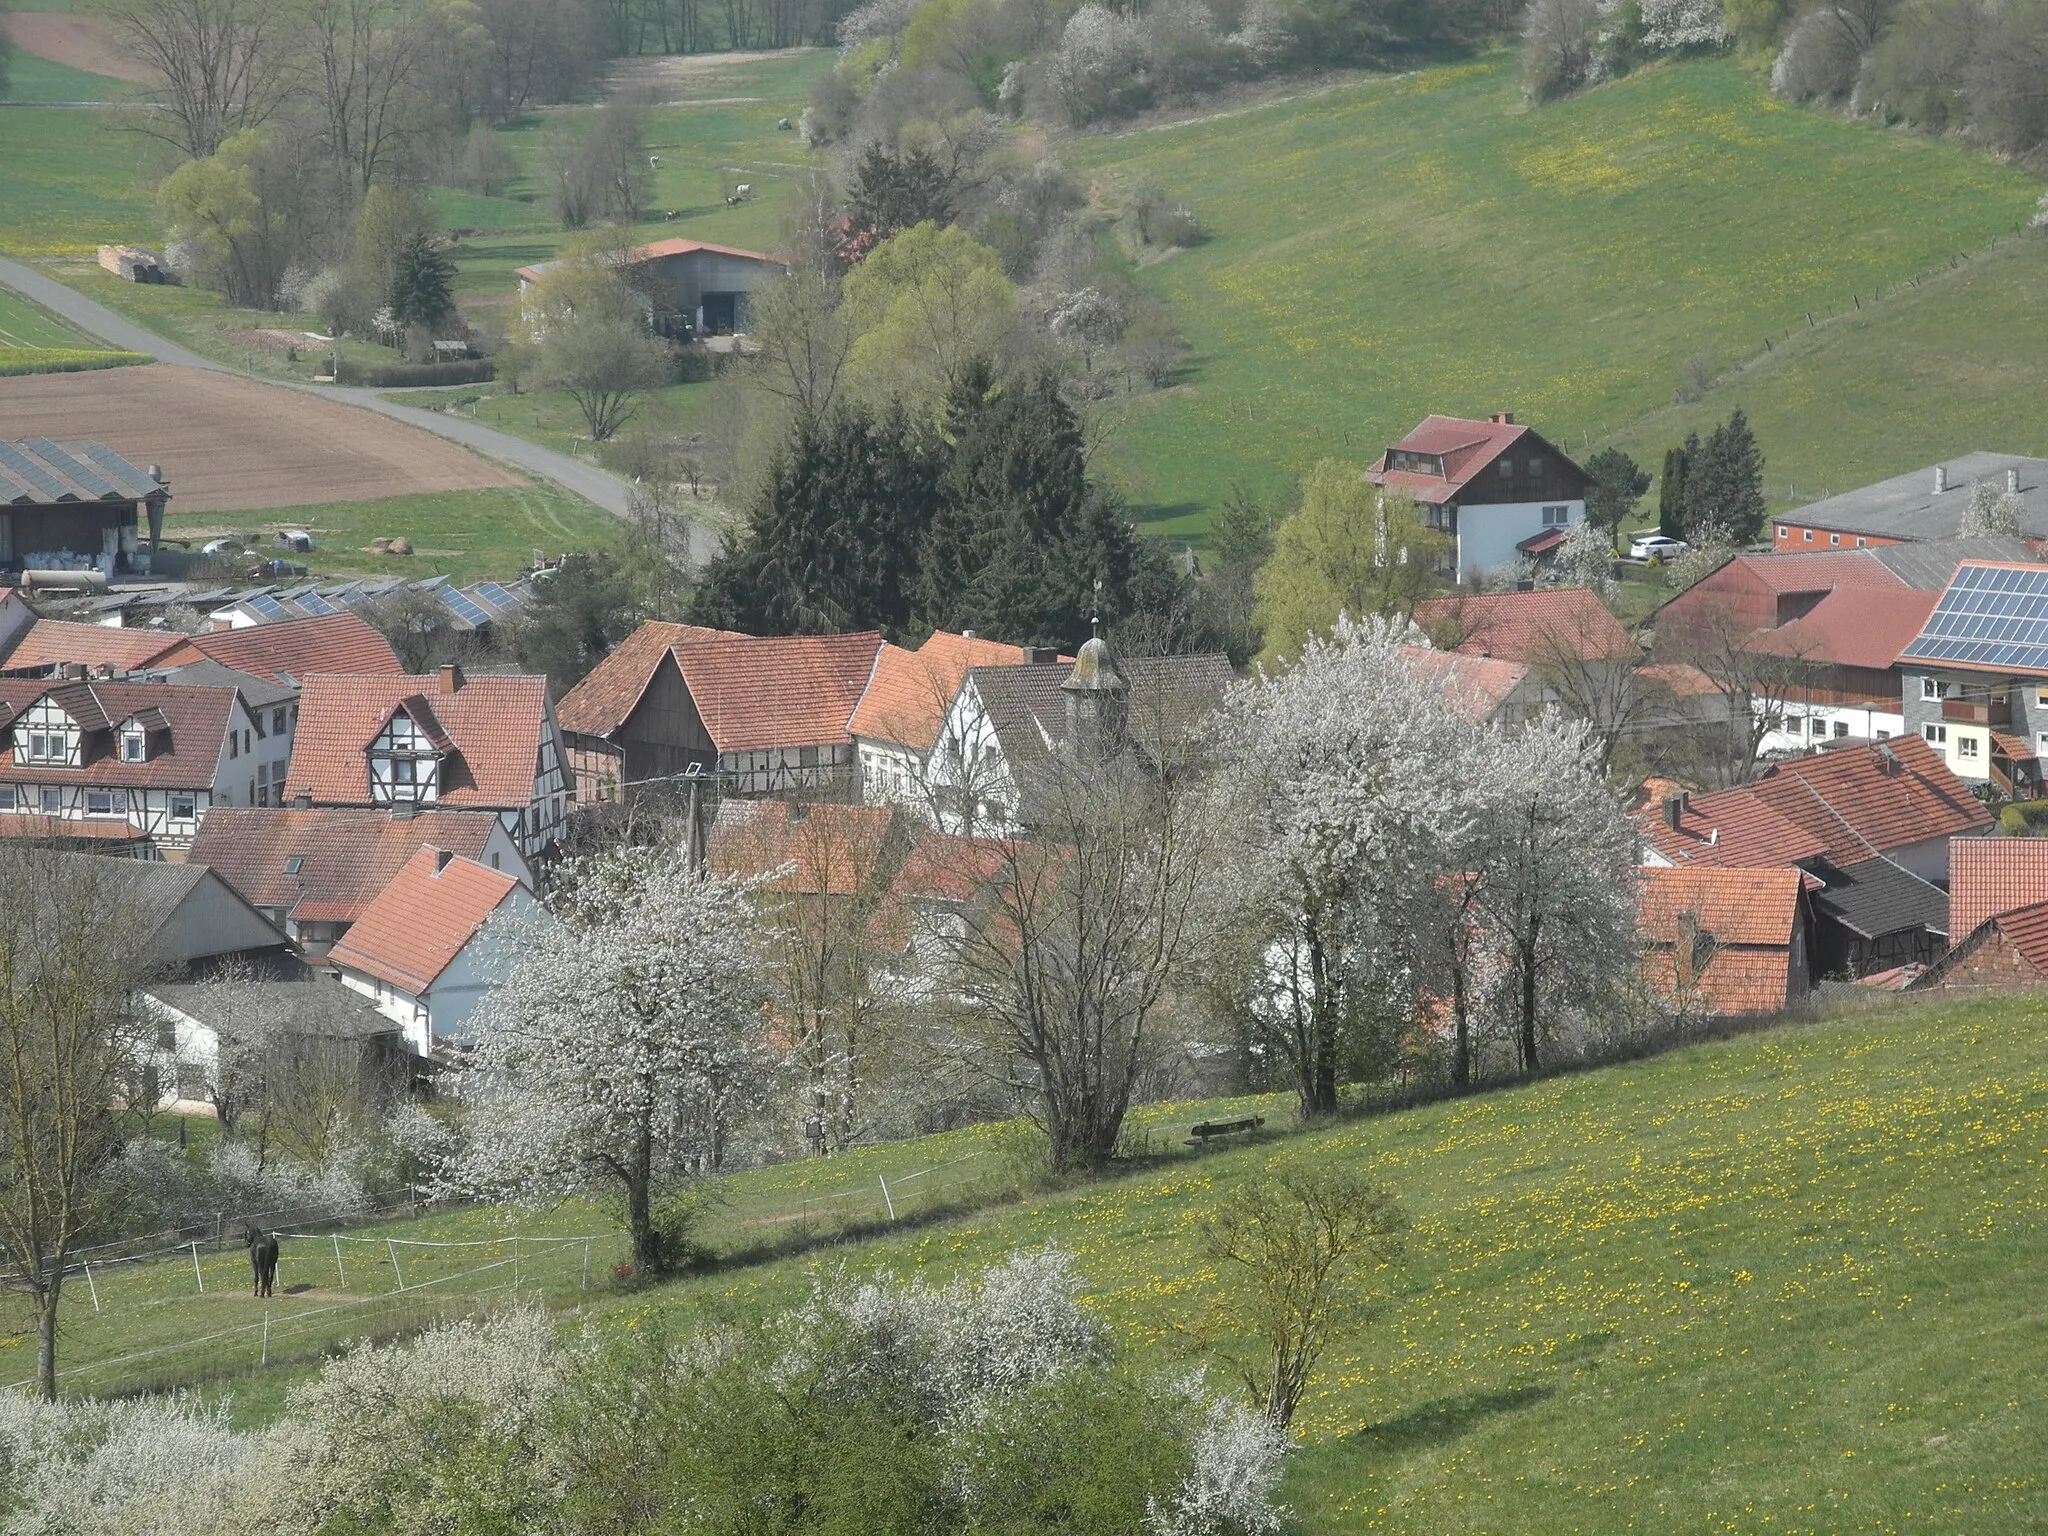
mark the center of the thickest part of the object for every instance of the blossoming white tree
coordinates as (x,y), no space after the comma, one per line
(1336,787)
(627,1041)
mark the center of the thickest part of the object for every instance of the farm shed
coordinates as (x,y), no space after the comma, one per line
(691,288)
(73,506)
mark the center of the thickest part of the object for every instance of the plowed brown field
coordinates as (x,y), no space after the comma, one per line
(83,42)
(232,445)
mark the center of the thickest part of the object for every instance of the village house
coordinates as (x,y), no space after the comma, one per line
(426,950)
(1005,721)
(290,650)
(77,506)
(1921,505)
(124,766)
(1871,825)
(1484,689)
(765,716)
(1725,943)
(1997,918)
(47,645)
(1822,633)
(906,705)
(1974,679)
(1500,490)
(313,872)
(446,741)
(182,915)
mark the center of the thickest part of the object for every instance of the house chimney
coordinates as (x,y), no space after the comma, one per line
(1502,418)
(441,858)
(1940,478)
(2012,480)
(1674,811)
(451,677)
(966,634)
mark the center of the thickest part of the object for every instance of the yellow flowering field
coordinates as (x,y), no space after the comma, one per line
(1398,246)
(1791,1282)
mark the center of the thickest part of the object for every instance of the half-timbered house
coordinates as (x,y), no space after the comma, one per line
(127,766)
(401,743)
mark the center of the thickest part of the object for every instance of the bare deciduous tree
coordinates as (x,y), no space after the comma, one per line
(224,65)
(69,957)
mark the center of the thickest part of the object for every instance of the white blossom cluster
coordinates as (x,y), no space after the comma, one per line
(1230,1489)
(1672,24)
(153,1466)
(632,1027)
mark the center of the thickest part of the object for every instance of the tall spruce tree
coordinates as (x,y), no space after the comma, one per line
(1724,482)
(832,540)
(422,283)
(1671,490)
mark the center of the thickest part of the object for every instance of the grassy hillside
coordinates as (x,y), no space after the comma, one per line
(1784,1283)
(1395,246)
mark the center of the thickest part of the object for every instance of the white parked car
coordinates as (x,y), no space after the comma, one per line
(1644,545)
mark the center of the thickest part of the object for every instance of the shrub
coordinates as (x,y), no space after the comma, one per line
(411,375)
(17,361)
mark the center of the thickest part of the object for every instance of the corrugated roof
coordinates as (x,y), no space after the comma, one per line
(788,691)
(1877,897)
(1551,625)
(327,865)
(37,472)
(1908,506)
(1931,566)
(495,723)
(1990,875)
(422,920)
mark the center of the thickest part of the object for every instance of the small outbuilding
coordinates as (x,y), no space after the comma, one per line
(77,506)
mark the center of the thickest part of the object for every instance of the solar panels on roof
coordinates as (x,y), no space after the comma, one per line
(267,607)
(463,608)
(491,595)
(1993,616)
(317,606)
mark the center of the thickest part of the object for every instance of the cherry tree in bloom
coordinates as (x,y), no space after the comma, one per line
(629,1039)
(1337,786)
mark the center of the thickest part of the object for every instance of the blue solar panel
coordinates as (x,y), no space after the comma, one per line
(269,608)
(463,608)
(1990,616)
(317,606)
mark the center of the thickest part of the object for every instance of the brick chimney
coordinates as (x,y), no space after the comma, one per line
(1675,807)
(451,677)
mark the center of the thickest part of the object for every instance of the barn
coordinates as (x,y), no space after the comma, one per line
(692,289)
(75,506)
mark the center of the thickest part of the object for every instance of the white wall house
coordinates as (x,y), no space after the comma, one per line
(1501,491)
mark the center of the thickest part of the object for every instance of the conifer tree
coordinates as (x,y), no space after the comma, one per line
(422,283)
(1724,483)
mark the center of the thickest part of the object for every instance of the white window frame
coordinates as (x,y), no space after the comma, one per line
(1966,746)
(1935,735)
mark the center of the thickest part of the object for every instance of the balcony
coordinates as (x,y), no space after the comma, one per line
(1977,711)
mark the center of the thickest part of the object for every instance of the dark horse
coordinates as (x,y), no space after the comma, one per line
(263,1260)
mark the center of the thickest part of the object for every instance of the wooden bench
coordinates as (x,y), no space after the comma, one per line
(1206,1132)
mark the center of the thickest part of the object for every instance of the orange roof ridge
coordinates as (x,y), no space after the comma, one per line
(415,927)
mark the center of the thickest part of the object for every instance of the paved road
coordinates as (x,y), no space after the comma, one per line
(586,480)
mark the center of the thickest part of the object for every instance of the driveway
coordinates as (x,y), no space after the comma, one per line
(585,480)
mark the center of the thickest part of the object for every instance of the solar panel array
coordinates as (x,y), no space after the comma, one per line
(1990,616)
(463,608)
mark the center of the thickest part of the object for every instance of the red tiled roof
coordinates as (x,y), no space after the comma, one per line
(51,642)
(790,691)
(422,920)
(294,648)
(1988,876)
(943,869)
(604,700)
(345,856)
(678,247)
(1748,917)
(2015,748)
(908,696)
(53,828)
(2024,929)
(496,724)
(1817,570)
(833,850)
(1851,628)
(1859,805)
(1466,447)
(1477,685)
(1529,626)
(1541,543)
(196,720)
(1728,829)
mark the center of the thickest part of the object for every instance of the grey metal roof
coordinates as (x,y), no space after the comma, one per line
(257,692)
(1877,897)
(1908,506)
(37,472)
(1930,566)
(304,1001)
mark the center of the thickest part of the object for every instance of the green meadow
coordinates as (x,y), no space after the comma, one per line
(1394,246)
(1785,1282)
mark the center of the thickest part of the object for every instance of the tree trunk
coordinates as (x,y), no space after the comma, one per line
(46,1335)
(1461,1058)
(1528,957)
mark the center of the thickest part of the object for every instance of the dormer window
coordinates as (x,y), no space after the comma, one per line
(404,763)
(134,745)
